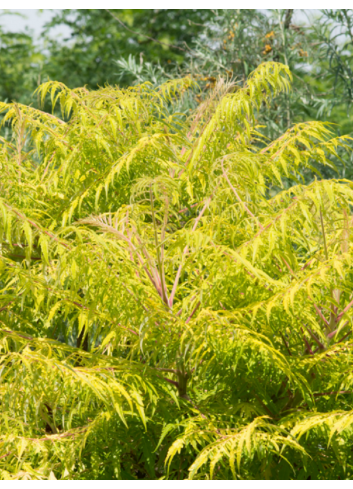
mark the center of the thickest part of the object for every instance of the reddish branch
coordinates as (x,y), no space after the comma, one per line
(186,249)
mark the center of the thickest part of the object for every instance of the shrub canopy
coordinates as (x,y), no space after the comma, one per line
(175,302)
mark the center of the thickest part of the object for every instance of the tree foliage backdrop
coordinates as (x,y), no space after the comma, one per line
(176,296)
(125,46)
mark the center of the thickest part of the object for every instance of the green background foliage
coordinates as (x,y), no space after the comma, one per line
(98,38)
(19,61)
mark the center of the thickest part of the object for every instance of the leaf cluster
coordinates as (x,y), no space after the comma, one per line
(168,307)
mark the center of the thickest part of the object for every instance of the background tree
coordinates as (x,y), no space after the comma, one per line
(99,36)
(20,64)
(333,41)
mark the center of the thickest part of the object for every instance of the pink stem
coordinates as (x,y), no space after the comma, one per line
(331,335)
(344,311)
(193,312)
(186,249)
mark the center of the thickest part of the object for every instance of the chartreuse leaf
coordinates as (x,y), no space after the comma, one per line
(171,306)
